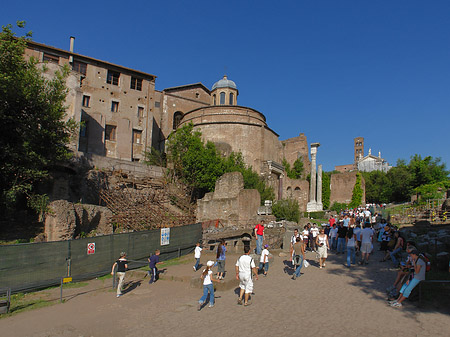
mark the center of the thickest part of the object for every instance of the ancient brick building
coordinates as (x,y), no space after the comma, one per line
(123,115)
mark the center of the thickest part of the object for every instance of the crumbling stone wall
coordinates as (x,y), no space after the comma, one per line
(67,220)
(298,190)
(229,202)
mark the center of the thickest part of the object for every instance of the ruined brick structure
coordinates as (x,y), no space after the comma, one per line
(123,115)
(342,185)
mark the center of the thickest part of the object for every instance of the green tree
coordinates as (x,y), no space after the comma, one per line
(297,169)
(326,190)
(200,165)
(376,187)
(286,210)
(33,133)
(357,194)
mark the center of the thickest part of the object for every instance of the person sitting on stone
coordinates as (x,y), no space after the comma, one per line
(420,267)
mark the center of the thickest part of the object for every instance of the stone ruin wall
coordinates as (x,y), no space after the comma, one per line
(342,185)
(229,202)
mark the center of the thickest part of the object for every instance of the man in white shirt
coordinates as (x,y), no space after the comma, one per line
(244,267)
(197,255)
(366,244)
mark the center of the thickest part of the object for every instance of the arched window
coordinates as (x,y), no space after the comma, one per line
(297,189)
(222,98)
(231,98)
(177,116)
(214,99)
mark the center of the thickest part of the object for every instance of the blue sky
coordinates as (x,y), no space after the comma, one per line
(332,69)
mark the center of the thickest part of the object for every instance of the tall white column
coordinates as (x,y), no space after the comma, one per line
(319,187)
(312,204)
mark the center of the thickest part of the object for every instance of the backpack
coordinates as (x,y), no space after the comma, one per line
(427,262)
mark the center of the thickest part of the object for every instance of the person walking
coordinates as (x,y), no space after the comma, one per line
(208,287)
(291,248)
(351,247)
(122,266)
(366,243)
(342,231)
(244,268)
(197,254)
(152,262)
(299,257)
(221,250)
(264,260)
(323,245)
(259,234)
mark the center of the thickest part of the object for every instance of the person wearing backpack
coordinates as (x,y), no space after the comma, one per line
(299,256)
(420,267)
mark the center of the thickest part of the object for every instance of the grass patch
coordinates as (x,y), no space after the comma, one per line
(105,277)
(24,302)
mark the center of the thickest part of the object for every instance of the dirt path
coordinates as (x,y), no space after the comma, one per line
(333,301)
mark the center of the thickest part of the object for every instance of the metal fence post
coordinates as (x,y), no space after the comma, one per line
(60,297)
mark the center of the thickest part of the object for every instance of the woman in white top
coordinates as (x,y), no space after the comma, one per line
(323,245)
(207,286)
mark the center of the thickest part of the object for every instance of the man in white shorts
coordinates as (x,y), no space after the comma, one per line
(244,267)
(366,243)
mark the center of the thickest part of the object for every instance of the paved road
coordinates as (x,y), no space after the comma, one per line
(333,301)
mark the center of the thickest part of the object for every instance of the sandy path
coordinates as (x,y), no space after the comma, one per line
(333,301)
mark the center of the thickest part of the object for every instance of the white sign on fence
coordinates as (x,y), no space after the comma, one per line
(91,248)
(165,236)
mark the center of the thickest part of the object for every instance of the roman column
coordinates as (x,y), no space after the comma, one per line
(319,188)
(312,204)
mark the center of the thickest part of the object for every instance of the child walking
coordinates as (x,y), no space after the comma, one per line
(264,261)
(207,286)
(197,255)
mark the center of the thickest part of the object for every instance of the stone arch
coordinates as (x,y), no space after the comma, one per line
(177,116)
(297,189)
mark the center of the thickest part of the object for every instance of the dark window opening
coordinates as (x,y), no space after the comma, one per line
(50,58)
(112,77)
(114,106)
(157,104)
(86,100)
(80,67)
(222,98)
(231,98)
(110,132)
(137,137)
(136,83)
(177,116)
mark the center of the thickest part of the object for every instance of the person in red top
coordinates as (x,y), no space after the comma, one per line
(332,221)
(259,234)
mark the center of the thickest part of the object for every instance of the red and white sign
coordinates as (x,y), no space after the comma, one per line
(91,248)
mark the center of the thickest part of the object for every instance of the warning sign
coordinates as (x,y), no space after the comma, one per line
(91,248)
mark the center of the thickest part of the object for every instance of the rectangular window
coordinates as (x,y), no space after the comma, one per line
(86,100)
(50,58)
(114,106)
(157,104)
(140,112)
(112,77)
(137,137)
(110,132)
(136,83)
(80,67)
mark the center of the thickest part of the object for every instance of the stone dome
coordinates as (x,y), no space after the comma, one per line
(224,83)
